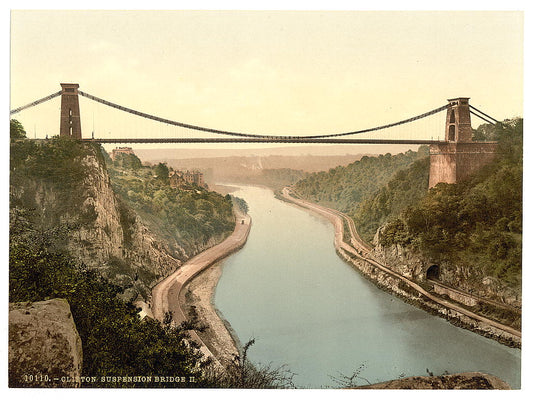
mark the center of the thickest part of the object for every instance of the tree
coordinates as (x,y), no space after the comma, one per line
(161,171)
(242,374)
(127,161)
(484,132)
(16,130)
(240,203)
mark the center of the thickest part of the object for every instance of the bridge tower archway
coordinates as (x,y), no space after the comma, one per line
(458,124)
(451,133)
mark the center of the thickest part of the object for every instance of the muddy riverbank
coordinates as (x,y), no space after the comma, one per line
(197,301)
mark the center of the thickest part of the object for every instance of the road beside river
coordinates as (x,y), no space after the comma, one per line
(166,294)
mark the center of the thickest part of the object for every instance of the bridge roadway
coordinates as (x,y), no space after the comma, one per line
(265,140)
(361,250)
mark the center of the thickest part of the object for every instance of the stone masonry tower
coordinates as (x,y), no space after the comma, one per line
(459,157)
(70,124)
(458,126)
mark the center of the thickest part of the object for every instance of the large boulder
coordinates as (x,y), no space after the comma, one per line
(44,345)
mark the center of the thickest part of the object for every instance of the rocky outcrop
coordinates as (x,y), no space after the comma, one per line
(102,232)
(469,380)
(44,346)
(117,242)
(415,266)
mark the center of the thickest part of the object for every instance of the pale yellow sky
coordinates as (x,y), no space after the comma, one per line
(266,72)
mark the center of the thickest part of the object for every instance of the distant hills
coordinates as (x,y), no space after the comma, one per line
(225,169)
(244,150)
(241,164)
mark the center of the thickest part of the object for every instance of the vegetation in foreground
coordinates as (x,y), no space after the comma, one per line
(116,342)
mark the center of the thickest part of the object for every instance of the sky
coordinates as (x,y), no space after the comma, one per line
(270,72)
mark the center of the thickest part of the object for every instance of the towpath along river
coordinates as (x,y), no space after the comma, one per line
(165,294)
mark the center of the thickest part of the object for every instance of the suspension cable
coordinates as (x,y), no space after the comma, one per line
(221,132)
(16,110)
(486,115)
(230,133)
(480,117)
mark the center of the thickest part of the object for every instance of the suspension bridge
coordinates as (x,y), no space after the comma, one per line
(452,158)
(458,112)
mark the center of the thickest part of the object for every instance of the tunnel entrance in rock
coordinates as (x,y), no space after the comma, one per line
(433,272)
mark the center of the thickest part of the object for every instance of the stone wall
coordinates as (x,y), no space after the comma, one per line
(454,162)
(455,295)
(414,266)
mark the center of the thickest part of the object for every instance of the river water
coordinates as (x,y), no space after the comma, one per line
(310,311)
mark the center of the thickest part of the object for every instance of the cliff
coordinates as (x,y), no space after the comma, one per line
(415,266)
(66,194)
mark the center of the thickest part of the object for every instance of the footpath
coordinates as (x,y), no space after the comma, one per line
(166,294)
(361,251)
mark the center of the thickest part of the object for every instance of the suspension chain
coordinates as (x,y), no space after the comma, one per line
(240,134)
(36,102)
(221,132)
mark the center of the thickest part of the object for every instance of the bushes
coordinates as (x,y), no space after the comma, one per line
(395,232)
(476,223)
(192,215)
(115,341)
(405,188)
(56,164)
(16,130)
(240,203)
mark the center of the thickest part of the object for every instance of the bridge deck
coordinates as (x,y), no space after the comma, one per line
(265,140)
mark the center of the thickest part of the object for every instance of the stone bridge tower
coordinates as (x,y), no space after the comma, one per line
(459,157)
(70,123)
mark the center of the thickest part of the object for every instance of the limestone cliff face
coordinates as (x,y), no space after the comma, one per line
(117,242)
(104,233)
(44,346)
(415,266)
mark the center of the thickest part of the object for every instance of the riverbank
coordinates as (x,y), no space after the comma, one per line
(357,254)
(197,301)
(168,295)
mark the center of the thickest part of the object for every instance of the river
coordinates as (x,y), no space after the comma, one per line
(309,310)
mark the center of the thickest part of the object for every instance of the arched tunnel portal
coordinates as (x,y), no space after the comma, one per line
(433,272)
